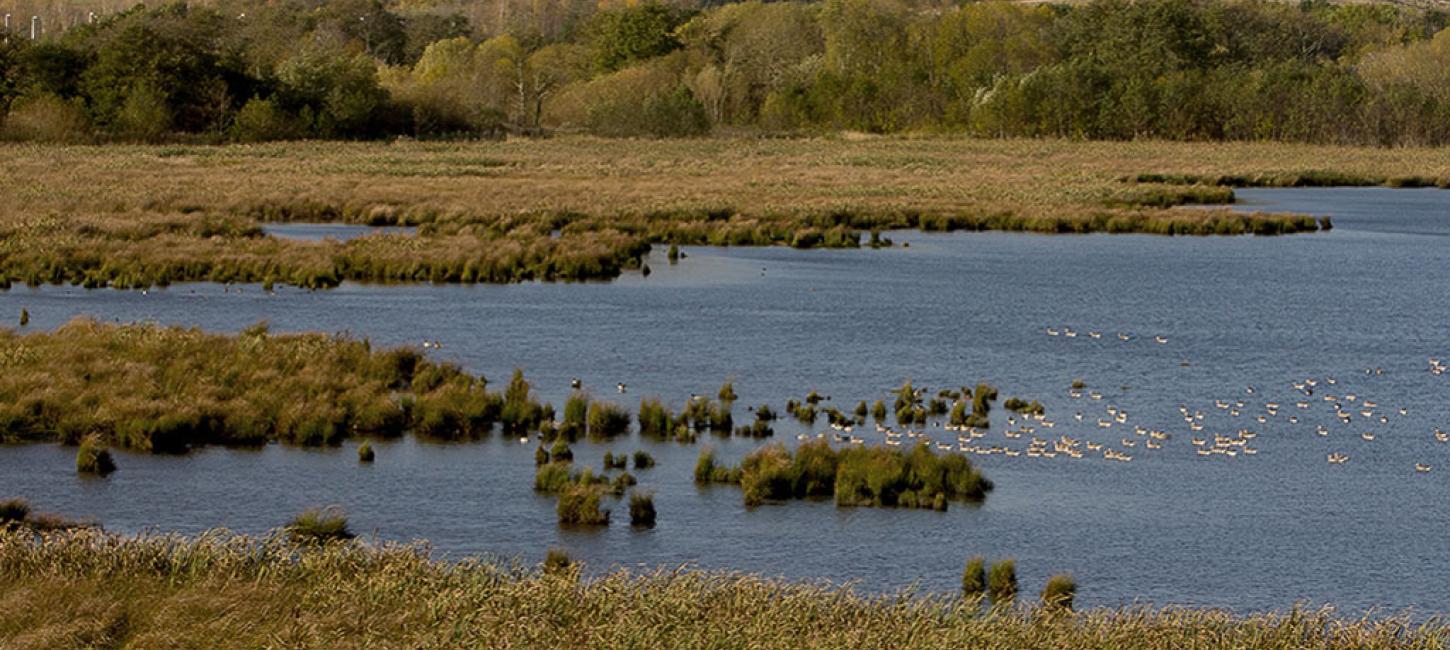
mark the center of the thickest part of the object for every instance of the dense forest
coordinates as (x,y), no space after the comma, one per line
(252,70)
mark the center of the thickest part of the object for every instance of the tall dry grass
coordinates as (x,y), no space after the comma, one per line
(92,589)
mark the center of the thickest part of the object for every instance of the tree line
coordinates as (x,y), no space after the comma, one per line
(246,70)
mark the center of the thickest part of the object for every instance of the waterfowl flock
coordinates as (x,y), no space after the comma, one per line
(1338,415)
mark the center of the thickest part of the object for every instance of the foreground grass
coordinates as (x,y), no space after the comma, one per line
(579,208)
(86,589)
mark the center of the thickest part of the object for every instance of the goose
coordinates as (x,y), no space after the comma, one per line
(1096,335)
(1052,331)
(621,387)
(575,383)
(1070,333)
(1160,339)
(1421,468)
(1250,451)
(1367,435)
(1123,337)
(1441,436)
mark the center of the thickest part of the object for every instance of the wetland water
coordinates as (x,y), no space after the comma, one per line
(1171,527)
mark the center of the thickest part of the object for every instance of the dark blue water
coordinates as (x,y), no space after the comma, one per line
(1247,532)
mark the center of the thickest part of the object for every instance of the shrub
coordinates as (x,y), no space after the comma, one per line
(974,578)
(764,413)
(1059,592)
(93,458)
(579,505)
(47,118)
(261,120)
(642,510)
(643,460)
(365,452)
(705,465)
(1002,583)
(878,411)
(319,526)
(541,456)
(24,317)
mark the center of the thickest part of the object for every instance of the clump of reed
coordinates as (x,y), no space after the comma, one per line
(92,457)
(727,392)
(218,590)
(559,452)
(579,506)
(974,579)
(707,470)
(17,513)
(655,419)
(168,389)
(607,420)
(1002,583)
(855,476)
(708,415)
(576,416)
(557,561)
(612,461)
(365,452)
(319,526)
(1059,592)
(643,460)
(24,317)
(642,509)
(1019,405)
(552,478)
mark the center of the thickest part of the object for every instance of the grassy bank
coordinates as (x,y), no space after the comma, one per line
(88,589)
(156,388)
(580,208)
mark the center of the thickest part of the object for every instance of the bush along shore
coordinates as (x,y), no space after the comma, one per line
(86,589)
(167,389)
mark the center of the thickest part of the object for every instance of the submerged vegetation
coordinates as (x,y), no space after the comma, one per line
(855,476)
(88,589)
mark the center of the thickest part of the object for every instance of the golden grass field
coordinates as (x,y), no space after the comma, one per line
(141,215)
(88,589)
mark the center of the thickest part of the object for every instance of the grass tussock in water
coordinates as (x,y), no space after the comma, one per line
(167,389)
(92,457)
(319,526)
(854,476)
(87,588)
(575,208)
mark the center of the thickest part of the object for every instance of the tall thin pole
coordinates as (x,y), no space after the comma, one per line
(34,28)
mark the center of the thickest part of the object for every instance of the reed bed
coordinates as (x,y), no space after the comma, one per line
(92,589)
(575,208)
(167,389)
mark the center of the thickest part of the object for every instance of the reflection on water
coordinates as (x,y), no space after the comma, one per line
(1248,532)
